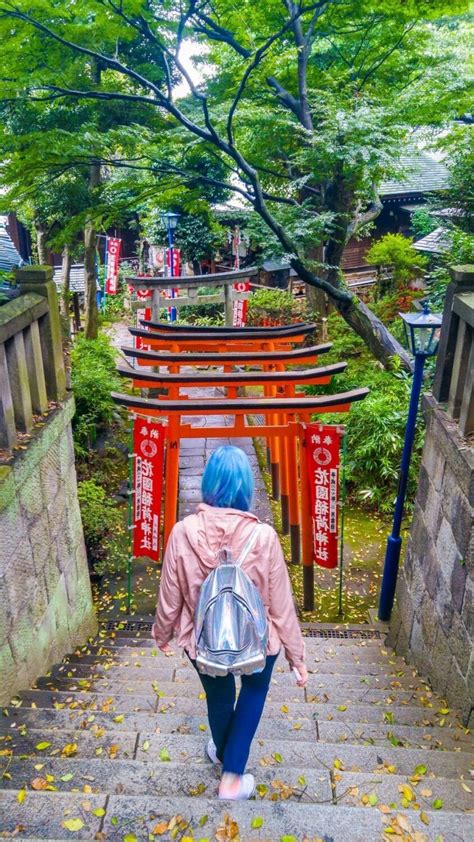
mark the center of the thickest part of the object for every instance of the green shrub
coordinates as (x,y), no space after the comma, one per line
(93,378)
(396,252)
(274,307)
(104,528)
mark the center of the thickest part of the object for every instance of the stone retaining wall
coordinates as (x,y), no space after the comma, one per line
(45,593)
(433,620)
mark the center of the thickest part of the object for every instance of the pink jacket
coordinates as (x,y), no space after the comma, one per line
(190,556)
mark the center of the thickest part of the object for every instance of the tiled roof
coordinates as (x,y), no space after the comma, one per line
(434,243)
(77,283)
(422,174)
(9,256)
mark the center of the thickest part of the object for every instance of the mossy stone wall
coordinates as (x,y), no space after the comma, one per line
(45,590)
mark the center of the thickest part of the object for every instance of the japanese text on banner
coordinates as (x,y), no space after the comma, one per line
(240,307)
(113,254)
(148,449)
(323,457)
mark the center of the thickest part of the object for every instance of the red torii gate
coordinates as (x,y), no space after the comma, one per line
(283,413)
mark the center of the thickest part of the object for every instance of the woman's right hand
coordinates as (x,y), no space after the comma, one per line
(301,675)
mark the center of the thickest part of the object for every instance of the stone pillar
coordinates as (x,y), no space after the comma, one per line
(462,281)
(39,279)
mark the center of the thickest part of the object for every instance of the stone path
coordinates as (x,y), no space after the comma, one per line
(195,453)
(110,746)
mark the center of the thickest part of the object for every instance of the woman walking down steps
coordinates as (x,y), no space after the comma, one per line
(223,521)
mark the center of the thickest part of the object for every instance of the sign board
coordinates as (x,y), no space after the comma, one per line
(240,307)
(112,255)
(148,458)
(323,460)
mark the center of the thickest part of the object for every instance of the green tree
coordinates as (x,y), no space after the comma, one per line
(306,104)
(395,253)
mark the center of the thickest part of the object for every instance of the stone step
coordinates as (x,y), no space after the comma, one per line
(319,686)
(289,726)
(351,787)
(147,657)
(303,728)
(141,670)
(183,748)
(41,815)
(334,692)
(313,644)
(137,777)
(156,778)
(314,649)
(116,702)
(87,743)
(98,703)
(432,739)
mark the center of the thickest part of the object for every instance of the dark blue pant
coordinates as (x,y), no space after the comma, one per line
(233,725)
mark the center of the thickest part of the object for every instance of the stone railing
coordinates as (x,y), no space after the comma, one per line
(31,358)
(45,591)
(433,620)
(454,380)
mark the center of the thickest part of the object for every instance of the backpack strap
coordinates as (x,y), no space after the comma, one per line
(248,546)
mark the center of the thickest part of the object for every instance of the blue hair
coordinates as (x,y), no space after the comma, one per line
(228,481)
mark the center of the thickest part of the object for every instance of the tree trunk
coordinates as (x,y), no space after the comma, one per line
(66,287)
(378,339)
(41,234)
(91,324)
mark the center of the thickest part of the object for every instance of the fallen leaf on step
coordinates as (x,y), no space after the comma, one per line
(39,783)
(69,750)
(227,831)
(73,824)
(21,796)
(160,829)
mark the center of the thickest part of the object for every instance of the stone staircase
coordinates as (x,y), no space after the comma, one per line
(110,746)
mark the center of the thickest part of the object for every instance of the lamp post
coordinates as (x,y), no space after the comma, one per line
(170,221)
(422,333)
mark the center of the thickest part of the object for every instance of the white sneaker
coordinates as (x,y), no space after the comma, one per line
(211,751)
(245,791)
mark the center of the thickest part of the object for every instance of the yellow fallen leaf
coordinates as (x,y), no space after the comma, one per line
(73,824)
(406,791)
(119,718)
(424,818)
(69,750)
(338,764)
(465,786)
(284,708)
(160,829)
(21,796)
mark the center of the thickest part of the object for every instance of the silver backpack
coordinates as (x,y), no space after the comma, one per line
(230,623)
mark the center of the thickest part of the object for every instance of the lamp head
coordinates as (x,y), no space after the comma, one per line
(169,219)
(422,331)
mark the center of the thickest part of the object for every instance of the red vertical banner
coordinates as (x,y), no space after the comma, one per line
(240,307)
(113,254)
(148,458)
(176,261)
(323,460)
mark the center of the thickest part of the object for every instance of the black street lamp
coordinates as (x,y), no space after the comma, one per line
(422,332)
(170,221)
